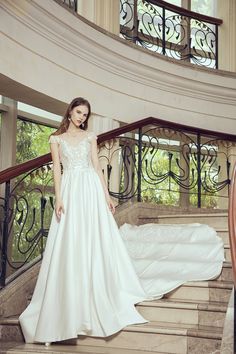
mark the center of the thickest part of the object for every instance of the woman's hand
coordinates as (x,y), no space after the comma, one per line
(59,208)
(110,204)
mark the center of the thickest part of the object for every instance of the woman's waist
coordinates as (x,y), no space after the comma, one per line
(78,168)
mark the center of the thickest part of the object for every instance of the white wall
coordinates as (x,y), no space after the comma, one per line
(49,56)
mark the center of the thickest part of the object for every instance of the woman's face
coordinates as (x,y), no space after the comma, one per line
(79,115)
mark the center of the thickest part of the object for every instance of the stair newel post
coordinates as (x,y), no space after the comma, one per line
(139,187)
(5,234)
(198,170)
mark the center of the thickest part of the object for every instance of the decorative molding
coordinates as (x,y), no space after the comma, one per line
(84,53)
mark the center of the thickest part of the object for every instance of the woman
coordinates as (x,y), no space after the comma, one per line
(88,283)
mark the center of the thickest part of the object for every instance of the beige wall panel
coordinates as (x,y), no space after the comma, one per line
(59,56)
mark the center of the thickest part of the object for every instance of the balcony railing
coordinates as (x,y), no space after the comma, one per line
(168,30)
(171,30)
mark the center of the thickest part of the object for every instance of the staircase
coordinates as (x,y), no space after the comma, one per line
(189,319)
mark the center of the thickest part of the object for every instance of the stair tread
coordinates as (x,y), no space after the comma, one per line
(205,215)
(227,264)
(13,320)
(16,348)
(177,328)
(163,303)
(222,284)
(155,325)
(186,304)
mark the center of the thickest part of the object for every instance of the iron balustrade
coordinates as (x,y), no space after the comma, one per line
(146,161)
(155,159)
(25,214)
(171,31)
(167,29)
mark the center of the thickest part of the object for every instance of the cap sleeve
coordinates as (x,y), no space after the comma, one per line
(53,139)
(91,136)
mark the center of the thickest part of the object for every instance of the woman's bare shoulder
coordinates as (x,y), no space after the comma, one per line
(91,135)
(54,138)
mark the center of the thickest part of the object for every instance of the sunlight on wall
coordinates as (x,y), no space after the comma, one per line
(37,111)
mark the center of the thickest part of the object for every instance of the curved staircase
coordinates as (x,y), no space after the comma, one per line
(189,319)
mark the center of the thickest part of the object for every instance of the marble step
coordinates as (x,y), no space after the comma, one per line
(19,348)
(213,290)
(217,220)
(10,330)
(226,274)
(224,234)
(227,253)
(184,312)
(158,337)
(152,337)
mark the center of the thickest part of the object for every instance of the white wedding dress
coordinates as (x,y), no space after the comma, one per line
(93,273)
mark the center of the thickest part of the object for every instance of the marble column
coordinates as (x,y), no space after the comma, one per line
(8,150)
(104,13)
(226,10)
(8,134)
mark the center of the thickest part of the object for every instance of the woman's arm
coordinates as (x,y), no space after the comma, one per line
(97,167)
(59,208)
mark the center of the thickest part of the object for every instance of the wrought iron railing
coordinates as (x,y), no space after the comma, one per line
(150,160)
(171,30)
(168,30)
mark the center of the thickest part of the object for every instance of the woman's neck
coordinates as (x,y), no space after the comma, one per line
(73,130)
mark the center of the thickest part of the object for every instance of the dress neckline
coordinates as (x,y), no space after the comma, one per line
(78,142)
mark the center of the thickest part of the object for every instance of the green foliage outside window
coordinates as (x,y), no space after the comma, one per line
(32,141)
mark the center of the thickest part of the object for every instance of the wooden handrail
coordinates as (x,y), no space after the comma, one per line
(170,7)
(232,222)
(186,12)
(25,167)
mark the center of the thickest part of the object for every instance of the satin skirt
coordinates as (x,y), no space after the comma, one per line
(92,274)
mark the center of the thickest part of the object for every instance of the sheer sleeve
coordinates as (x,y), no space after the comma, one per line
(53,139)
(92,136)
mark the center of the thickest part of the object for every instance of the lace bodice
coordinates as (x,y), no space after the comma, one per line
(74,156)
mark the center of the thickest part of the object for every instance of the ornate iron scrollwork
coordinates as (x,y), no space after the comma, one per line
(173,34)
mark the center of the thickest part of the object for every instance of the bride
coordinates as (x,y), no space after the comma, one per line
(93,273)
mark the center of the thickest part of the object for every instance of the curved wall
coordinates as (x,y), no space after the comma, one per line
(50,55)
